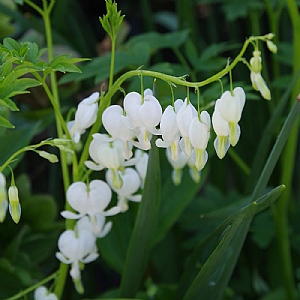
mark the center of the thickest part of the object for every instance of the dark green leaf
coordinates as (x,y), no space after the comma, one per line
(11,44)
(5,123)
(9,103)
(143,231)
(215,273)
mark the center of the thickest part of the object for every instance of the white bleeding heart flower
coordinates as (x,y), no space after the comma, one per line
(89,200)
(77,248)
(177,165)
(142,164)
(108,153)
(170,132)
(95,224)
(222,131)
(231,106)
(41,293)
(131,184)
(184,117)
(111,119)
(85,116)
(199,132)
(142,116)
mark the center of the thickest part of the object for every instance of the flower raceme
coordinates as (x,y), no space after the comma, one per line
(181,127)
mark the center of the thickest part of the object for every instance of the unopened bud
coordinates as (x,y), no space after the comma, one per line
(51,157)
(14,204)
(255,62)
(270,36)
(272,47)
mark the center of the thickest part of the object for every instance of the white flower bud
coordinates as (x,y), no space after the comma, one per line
(14,204)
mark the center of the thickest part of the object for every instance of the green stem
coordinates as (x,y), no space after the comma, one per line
(24,149)
(33,287)
(63,269)
(112,62)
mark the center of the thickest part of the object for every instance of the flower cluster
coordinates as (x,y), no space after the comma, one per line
(78,246)
(182,130)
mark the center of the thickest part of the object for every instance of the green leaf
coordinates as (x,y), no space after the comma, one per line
(40,211)
(66,67)
(157,40)
(213,277)
(18,86)
(143,232)
(20,2)
(5,123)
(64,63)
(9,103)
(172,204)
(11,44)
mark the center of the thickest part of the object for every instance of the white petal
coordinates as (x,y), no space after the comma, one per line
(70,215)
(77,196)
(150,112)
(91,165)
(132,103)
(220,126)
(198,134)
(135,198)
(184,117)
(99,196)
(112,211)
(63,259)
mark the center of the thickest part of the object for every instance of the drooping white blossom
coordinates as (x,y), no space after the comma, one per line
(108,153)
(169,131)
(41,293)
(76,248)
(111,119)
(177,165)
(184,117)
(142,116)
(141,164)
(199,132)
(231,106)
(89,200)
(85,116)
(131,184)
(95,224)
(222,130)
